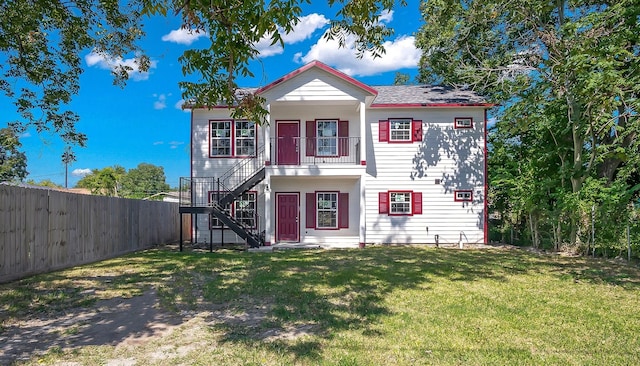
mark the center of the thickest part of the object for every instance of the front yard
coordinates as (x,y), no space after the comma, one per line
(377,306)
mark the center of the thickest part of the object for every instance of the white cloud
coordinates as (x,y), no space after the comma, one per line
(175,144)
(183,36)
(400,53)
(158,143)
(386,16)
(25,135)
(305,28)
(161,103)
(179,105)
(107,62)
(301,31)
(80,172)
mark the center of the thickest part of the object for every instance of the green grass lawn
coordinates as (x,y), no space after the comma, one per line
(377,306)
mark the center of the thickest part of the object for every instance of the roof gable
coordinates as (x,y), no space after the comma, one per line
(321,71)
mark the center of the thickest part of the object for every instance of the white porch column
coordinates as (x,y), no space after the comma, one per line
(363,133)
(268,223)
(267,135)
(363,157)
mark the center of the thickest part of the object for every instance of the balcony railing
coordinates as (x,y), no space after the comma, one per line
(315,151)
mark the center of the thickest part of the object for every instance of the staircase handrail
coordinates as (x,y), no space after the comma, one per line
(222,191)
(244,169)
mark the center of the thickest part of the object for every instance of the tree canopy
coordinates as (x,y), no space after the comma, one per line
(13,162)
(144,181)
(565,75)
(105,182)
(41,43)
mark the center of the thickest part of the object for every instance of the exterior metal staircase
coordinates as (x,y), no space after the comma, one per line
(243,176)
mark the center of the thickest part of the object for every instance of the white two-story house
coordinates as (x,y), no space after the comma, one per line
(341,164)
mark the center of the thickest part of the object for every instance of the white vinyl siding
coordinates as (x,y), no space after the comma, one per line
(446,160)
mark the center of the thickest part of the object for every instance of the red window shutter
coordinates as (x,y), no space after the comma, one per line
(343,138)
(383,131)
(417,203)
(311,138)
(383,203)
(343,210)
(311,211)
(416,131)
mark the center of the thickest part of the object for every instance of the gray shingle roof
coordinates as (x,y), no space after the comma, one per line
(416,94)
(425,94)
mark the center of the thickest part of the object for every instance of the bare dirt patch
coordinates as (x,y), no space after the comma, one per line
(116,321)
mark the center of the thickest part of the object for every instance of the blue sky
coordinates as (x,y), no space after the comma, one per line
(144,122)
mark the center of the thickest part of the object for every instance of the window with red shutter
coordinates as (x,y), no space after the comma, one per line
(416,131)
(343,211)
(400,203)
(310,210)
(383,131)
(311,138)
(417,203)
(383,202)
(343,138)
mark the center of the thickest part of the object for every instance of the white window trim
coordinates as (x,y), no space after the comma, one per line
(463,122)
(217,138)
(327,138)
(330,209)
(405,131)
(253,211)
(465,195)
(233,139)
(237,138)
(408,203)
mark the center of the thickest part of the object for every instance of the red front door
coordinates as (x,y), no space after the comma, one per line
(287,144)
(287,209)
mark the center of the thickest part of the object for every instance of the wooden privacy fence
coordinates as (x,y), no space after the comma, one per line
(43,230)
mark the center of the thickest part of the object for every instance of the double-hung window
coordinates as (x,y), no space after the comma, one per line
(400,130)
(326,138)
(214,196)
(400,203)
(244,209)
(327,210)
(245,138)
(230,138)
(220,138)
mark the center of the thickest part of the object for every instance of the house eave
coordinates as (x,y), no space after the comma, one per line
(431,105)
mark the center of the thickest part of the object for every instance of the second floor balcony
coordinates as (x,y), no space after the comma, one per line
(304,151)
